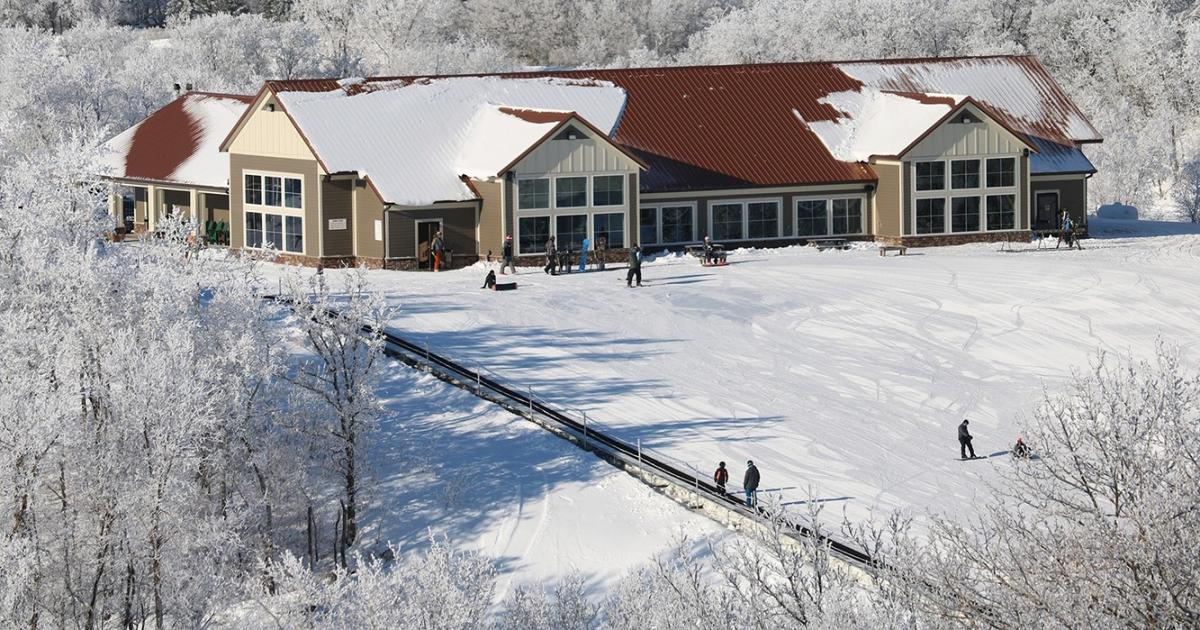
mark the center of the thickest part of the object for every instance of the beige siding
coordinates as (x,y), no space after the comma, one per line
(367,210)
(491,236)
(589,155)
(958,139)
(907,173)
(336,205)
(887,200)
(458,227)
(307,169)
(270,134)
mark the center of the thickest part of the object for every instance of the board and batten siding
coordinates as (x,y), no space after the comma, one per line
(368,209)
(491,234)
(270,133)
(240,164)
(458,228)
(337,206)
(887,200)
(587,155)
(951,139)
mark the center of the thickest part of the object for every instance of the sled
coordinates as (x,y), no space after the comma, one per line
(505,286)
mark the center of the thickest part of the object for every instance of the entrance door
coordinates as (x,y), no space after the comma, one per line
(1046,206)
(426,230)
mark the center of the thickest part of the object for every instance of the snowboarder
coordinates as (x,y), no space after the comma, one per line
(721,477)
(551,258)
(490,281)
(1020,450)
(601,248)
(439,249)
(635,266)
(564,260)
(750,484)
(507,255)
(964,440)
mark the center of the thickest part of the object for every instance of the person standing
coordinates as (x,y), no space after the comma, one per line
(564,260)
(439,249)
(750,484)
(964,440)
(635,266)
(601,249)
(1066,231)
(721,477)
(551,258)
(506,254)
(708,251)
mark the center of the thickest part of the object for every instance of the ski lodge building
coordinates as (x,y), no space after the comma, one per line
(914,152)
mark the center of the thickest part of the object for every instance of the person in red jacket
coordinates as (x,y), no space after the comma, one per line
(721,477)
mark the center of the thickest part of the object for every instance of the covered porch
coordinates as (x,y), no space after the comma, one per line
(139,207)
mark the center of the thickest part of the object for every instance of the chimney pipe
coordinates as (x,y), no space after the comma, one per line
(176,88)
(188,87)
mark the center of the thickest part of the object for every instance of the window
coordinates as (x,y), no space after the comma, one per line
(608,190)
(931,175)
(1001,211)
(931,216)
(1001,172)
(291,193)
(762,219)
(254,229)
(570,133)
(811,217)
(571,230)
(611,226)
(254,189)
(274,191)
(533,232)
(964,174)
(570,192)
(295,235)
(727,221)
(533,194)
(648,226)
(678,224)
(964,214)
(847,216)
(273,234)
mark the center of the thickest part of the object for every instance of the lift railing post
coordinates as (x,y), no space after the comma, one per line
(639,444)
(478,380)
(584,429)
(531,404)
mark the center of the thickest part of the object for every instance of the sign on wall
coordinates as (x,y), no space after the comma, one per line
(378,230)
(337,224)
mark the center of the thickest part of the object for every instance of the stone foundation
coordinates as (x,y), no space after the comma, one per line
(939,240)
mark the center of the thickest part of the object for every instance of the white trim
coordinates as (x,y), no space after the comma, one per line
(1057,192)
(657,208)
(828,199)
(281,209)
(280,248)
(587,192)
(624,188)
(549,194)
(417,236)
(778,201)
(947,193)
(517,232)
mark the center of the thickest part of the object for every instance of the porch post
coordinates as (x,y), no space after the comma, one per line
(152,205)
(114,204)
(194,202)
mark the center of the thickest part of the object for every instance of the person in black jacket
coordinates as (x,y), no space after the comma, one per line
(551,258)
(507,255)
(635,266)
(964,440)
(490,281)
(721,477)
(750,484)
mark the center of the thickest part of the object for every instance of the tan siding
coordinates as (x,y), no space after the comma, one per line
(458,227)
(491,237)
(270,134)
(589,155)
(956,139)
(307,169)
(367,209)
(887,200)
(907,173)
(336,204)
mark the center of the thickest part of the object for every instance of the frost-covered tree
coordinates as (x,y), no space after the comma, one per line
(1187,191)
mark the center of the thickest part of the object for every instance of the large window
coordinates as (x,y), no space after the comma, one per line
(273,234)
(847,216)
(274,191)
(570,192)
(611,226)
(571,229)
(648,226)
(762,219)
(533,194)
(254,189)
(678,224)
(294,241)
(964,214)
(931,175)
(811,219)
(254,229)
(726,221)
(1001,212)
(608,190)
(532,234)
(291,193)
(964,174)
(1001,172)
(931,216)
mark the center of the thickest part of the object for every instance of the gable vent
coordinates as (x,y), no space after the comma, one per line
(570,132)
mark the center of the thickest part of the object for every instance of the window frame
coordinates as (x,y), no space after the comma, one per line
(658,208)
(592,227)
(1015,207)
(587,192)
(621,189)
(986,181)
(517,233)
(283,211)
(916,215)
(862,215)
(796,201)
(917,176)
(745,202)
(518,183)
(982,192)
(979,221)
(978,173)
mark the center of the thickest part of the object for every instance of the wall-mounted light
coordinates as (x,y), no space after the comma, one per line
(270,107)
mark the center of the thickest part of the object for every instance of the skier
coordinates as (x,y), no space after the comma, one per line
(439,248)
(507,254)
(1068,232)
(601,248)
(551,258)
(709,258)
(964,440)
(635,266)
(750,484)
(564,260)
(721,477)
(490,281)
(1020,450)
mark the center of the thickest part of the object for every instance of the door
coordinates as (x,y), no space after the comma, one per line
(1046,206)
(426,230)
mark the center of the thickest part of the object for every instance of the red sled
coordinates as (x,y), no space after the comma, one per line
(719,263)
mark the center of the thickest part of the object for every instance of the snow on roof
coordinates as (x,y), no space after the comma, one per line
(498,135)
(1056,158)
(179,143)
(408,136)
(1017,89)
(875,122)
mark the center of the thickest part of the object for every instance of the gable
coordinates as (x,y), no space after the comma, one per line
(589,152)
(268,133)
(967,131)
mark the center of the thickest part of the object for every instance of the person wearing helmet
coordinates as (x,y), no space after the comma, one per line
(635,266)
(1020,450)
